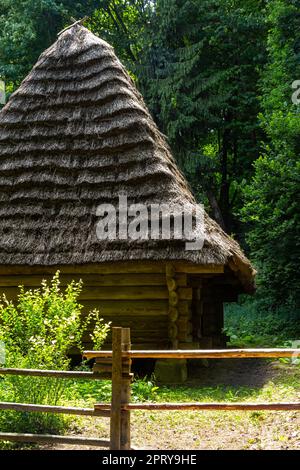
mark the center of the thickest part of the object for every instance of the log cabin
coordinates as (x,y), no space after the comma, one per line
(77,134)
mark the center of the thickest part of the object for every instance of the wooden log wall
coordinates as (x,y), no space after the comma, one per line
(153,299)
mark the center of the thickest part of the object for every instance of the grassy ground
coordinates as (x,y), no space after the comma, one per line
(234,380)
(254,380)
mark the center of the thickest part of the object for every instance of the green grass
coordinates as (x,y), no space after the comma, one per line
(285,384)
(195,429)
(248,328)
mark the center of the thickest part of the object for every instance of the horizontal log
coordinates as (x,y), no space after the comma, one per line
(156,339)
(93,280)
(53,439)
(201,354)
(198,269)
(121,267)
(128,308)
(49,373)
(212,406)
(106,360)
(112,293)
(164,344)
(98,367)
(193,345)
(146,333)
(52,409)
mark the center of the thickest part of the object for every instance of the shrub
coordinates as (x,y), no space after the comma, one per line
(251,322)
(38,331)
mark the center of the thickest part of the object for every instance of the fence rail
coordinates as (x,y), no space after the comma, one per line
(198,354)
(58,374)
(54,409)
(53,439)
(117,365)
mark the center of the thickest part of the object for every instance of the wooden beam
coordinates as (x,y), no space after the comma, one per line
(126,308)
(113,293)
(198,269)
(201,354)
(49,373)
(53,409)
(93,280)
(52,439)
(244,406)
(121,267)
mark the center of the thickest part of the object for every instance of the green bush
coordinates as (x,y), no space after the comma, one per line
(252,323)
(38,331)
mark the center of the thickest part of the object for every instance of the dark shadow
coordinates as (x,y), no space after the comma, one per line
(253,373)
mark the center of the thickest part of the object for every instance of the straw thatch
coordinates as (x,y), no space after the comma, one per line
(76,134)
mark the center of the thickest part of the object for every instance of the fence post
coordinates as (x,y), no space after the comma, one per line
(126,391)
(115,414)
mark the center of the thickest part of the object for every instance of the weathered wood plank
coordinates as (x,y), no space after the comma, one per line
(94,280)
(97,268)
(214,406)
(117,267)
(113,293)
(49,373)
(198,269)
(120,308)
(26,407)
(137,336)
(203,353)
(50,438)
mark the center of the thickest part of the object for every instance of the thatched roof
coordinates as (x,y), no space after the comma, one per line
(76,134)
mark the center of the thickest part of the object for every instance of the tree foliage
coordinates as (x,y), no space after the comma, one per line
(201,82)
(216,75)
(272,204)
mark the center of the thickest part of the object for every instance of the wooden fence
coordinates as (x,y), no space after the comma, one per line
(116,364)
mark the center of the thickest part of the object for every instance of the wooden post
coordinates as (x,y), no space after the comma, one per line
(115,416)
(126,391)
